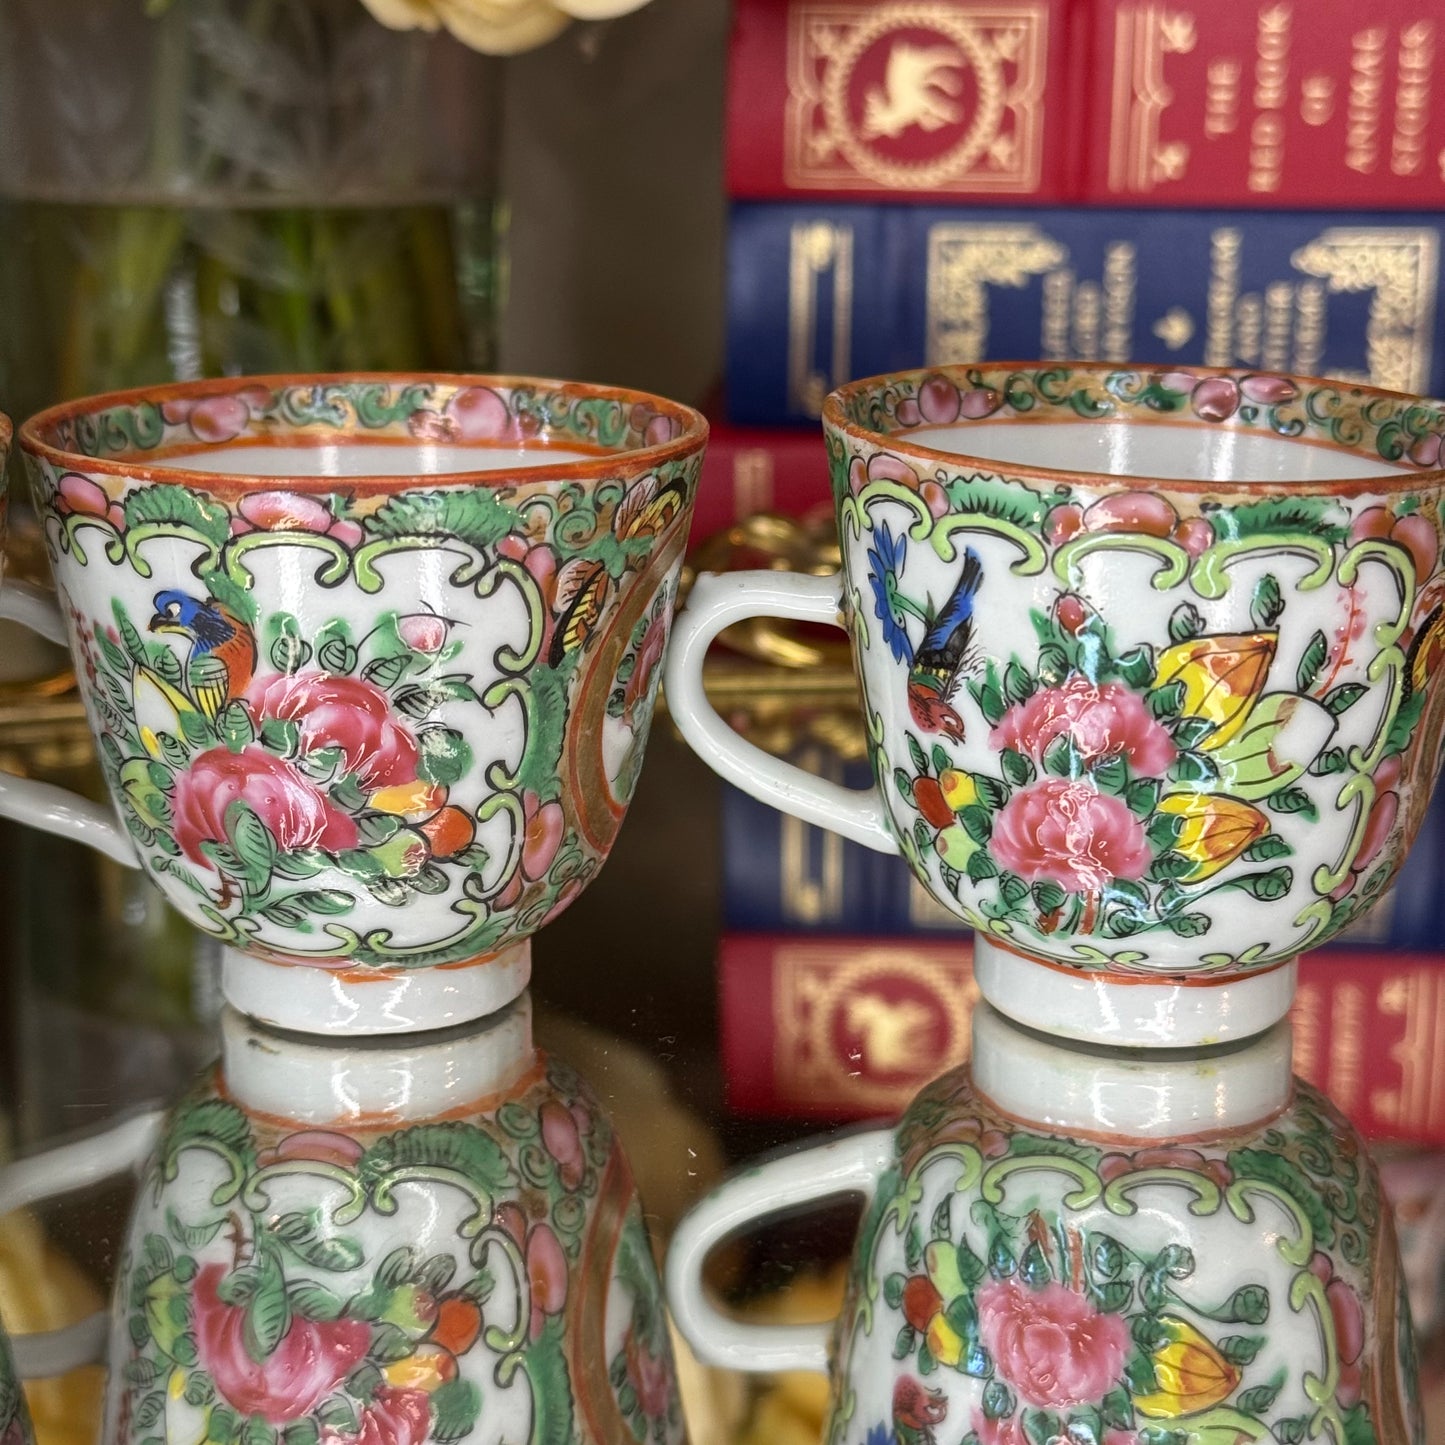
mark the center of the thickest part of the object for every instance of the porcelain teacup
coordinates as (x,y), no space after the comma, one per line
(1148,668)
(1063,1244)
(389,1240)
(370,663)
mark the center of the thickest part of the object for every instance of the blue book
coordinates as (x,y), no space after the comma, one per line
(820,294)
(781,875)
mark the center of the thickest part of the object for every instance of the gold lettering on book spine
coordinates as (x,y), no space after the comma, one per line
(1139,96)
(1399,265)
(999,143)
(964,260)
(820,256)
(812,858)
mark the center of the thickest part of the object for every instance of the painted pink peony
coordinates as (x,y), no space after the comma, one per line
(546,1274)
(563,1141)
(1349,1322)
(1103,720)
(1051,1344)
(311,1360)
(394,1417)
(644,667)
(650,1377)
(295,811)
(424,631)
(1069,833)
(341,712)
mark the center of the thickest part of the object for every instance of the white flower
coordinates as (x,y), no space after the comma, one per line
(496,27)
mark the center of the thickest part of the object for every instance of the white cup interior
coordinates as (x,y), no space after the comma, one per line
(380,458)
(1180,452)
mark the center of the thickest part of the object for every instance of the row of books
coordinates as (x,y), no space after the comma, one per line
(1269,103)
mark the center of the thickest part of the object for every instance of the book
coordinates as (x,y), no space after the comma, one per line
(1273,103)
(819,294)
(931,100)
(781,875)
(842,1028)
(748,470)
(1269,104)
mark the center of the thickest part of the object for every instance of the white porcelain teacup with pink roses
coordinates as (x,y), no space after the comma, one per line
(370,663)
(1147,663)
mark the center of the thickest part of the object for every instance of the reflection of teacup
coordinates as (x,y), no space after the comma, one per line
(14,1418)
(410,1240)
(370,662)
(1147,665)
(1112,1245)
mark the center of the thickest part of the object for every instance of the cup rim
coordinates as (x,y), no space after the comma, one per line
(33,434)
(835,419)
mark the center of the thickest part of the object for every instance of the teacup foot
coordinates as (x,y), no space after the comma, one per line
(1129,1011)
(306,998)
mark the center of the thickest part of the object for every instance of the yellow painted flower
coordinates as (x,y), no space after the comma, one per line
(1190,1375)
(1214,830)
(1222,677)
(927,1296)
(958,788)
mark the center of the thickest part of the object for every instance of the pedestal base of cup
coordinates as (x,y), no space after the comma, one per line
(309,999)
(1128,1011)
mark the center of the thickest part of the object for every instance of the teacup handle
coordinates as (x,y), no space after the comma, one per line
(715,602)
(44,805)
(849,1165)
(63,1170)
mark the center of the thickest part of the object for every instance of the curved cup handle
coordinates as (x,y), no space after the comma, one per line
(718,601)
(43,805)
(850,1165)
(60,1171)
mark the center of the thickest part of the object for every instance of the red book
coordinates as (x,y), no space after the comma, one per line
(760,469)
(849,1028)
(933,100)
(1271,103)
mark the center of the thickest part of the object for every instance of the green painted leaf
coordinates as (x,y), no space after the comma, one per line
(1241,1349)
(445,756)
(304,1234)
(386,672)
(314,1301)
(1277,1170)
(337,655)
(893,1290)
(1267,603)
(474,515)
(546,1366)
(1048,896)
(1185,623)
(455,1407)
(178,507)
(916,753)
(980,865)
(268,1311)
(1341,699)
(1317,650)
(903,1343)
(1293,800)
(1017,768)
(457,1146)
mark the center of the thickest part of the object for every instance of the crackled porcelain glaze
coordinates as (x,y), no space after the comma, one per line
(385,1246)
(1165,1249)
(370,662)
(1148,660)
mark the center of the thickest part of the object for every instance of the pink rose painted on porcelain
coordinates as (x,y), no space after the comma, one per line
(292,512)
(1102,720)
(311,1359)
(1065,831)
(1051,1344)
(348,713)
(296,813)
(394,1417)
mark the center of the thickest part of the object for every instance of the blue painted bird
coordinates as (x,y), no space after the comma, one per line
(222,659)
(936,666)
